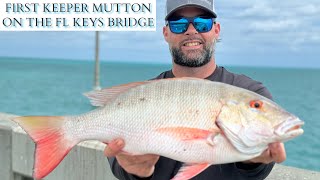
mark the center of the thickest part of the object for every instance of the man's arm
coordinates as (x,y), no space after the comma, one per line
(118,171)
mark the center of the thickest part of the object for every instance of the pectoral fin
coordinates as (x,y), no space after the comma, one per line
(189,171)
(189,134)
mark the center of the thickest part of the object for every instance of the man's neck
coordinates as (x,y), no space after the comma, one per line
(198,72)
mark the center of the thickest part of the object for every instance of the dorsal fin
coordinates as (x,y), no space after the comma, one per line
(103,96)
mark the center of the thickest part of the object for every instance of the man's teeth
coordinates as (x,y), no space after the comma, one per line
(192,44)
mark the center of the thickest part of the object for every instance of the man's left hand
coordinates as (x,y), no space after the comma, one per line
(275,153)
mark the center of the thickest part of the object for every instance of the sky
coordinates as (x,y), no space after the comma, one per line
(269,33)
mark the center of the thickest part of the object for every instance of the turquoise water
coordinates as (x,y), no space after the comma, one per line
(55,87)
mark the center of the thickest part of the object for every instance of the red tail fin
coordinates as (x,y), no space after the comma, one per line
(52,145)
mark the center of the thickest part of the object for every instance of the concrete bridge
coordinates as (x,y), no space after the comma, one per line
(85,162)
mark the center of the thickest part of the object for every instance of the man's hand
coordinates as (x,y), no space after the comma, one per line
(275,153)
(140,165)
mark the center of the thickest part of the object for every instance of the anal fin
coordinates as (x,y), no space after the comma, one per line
(189,171)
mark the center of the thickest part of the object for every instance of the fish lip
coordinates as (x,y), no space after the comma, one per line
(291,125)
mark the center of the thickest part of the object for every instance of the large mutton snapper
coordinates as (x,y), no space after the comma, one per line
(195,121)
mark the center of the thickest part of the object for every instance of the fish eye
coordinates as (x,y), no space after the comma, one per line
(256,104)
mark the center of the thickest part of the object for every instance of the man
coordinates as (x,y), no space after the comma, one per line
(191,32)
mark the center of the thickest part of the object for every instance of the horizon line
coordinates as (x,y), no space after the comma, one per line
(149,63)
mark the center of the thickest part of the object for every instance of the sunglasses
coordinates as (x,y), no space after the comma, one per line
(179,25)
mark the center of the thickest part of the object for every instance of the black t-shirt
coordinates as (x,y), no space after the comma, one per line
(222,75)
(167,168)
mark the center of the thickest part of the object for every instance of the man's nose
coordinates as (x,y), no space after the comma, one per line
(191,30)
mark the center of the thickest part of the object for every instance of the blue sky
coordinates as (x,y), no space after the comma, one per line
(253,33)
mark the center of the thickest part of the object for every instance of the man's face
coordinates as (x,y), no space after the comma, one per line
(191,49)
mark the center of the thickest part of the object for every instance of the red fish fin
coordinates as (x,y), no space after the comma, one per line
(189,171)
(52,145)
(186,133)
(102,97)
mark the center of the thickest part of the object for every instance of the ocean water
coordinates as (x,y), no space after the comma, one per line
(55,87)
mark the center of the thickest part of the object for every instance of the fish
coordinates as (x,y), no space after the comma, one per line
(195,121)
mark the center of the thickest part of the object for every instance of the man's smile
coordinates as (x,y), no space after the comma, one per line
(192,45)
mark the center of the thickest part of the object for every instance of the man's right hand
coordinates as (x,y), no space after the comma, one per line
(138,165)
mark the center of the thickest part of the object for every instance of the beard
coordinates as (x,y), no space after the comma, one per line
(193,58)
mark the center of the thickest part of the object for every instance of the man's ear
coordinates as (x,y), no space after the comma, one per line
(165,33)
(217,30)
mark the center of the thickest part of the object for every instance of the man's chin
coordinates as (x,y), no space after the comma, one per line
(191,63)
(193,54)
(193,58)
(193,51)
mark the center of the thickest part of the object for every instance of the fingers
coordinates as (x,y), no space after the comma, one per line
(114,148)
(265,158)
(277,152)
(139,165)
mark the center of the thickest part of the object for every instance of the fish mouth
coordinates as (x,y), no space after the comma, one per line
(290,127)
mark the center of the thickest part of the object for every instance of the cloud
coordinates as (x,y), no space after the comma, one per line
(270,25)
(259,9)
(274,25)
(309,10)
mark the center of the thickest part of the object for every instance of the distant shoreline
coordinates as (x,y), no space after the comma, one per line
(79,60)
(103,61)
